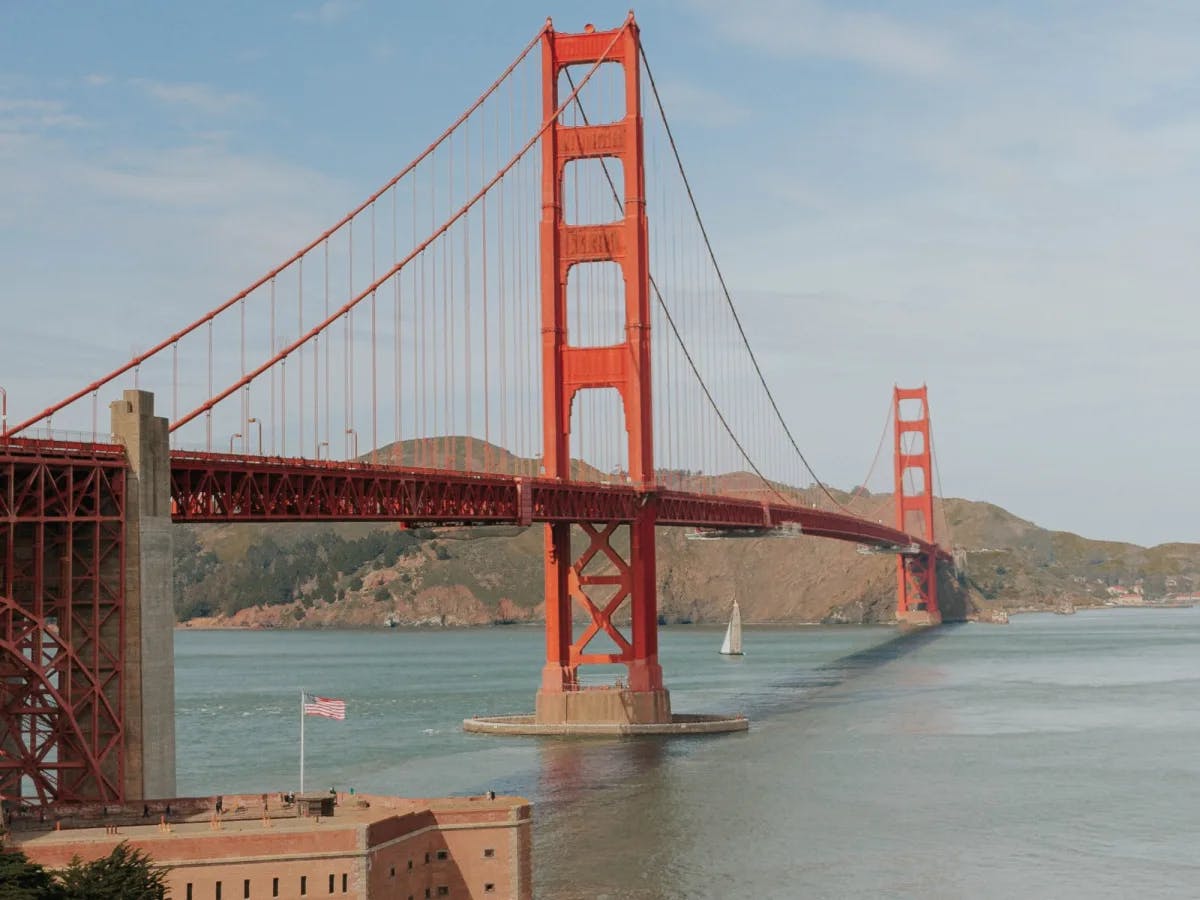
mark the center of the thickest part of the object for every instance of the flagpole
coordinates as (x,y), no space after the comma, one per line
(301,740)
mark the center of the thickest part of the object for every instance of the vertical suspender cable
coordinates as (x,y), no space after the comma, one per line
(468,464)
(328,341)
(282,409)
(374,352)
(349,306)
(519,298)
(415,381)
(449,302)
(522,298)
(417,334)
(246,392)
(351,413)
(300,357)
(245,424)
(316,393)
(678,405)
(502,318)
(435,250)
(444,305)
(195,326)
(208,413)
(721,279)
(487,334)
(427,394)
(396,329)
(528,277)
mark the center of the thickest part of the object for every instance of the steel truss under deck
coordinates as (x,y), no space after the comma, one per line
(218,487)
(62,621)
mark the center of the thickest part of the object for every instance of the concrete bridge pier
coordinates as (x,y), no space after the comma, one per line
(149,679)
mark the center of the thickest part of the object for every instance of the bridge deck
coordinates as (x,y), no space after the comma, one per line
(215,487)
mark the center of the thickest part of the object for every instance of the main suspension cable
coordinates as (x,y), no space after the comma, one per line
(862,486)
(298,255)
(725,289)
(671,321)
(937,471)
(437,233)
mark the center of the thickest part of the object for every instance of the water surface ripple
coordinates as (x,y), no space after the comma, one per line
(1056,757)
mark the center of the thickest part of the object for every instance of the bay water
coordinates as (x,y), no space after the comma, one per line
(1058,756)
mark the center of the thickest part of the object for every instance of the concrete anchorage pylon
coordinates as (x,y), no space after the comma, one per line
(149,611)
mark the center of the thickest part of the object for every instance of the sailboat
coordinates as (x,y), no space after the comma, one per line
(732,645)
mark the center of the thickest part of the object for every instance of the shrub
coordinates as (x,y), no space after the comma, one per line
(125,874)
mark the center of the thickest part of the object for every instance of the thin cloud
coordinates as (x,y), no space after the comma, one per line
(184,226)
(192,95)
(328,13)
(686,102)
(24,115)
(1015,238)
(788,28)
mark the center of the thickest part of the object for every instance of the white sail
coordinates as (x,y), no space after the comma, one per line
(732,645)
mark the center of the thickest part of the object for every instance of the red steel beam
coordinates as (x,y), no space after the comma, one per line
(62,612)
(218,487)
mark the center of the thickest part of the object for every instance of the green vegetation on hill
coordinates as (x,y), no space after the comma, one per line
(1012,562)
(366,574)
(320,566)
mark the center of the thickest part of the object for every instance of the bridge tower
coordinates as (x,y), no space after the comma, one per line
(916,575)
(568,369)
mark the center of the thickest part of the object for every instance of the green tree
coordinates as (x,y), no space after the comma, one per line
(21,879)
(125,874)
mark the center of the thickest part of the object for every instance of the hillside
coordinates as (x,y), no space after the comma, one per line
(370,576)
(1012,563)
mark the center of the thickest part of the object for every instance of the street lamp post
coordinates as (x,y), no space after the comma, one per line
(324,445)
(256,421)
(232,438)
(3,411)
(352,435)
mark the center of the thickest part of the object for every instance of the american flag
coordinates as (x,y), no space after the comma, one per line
(329,707)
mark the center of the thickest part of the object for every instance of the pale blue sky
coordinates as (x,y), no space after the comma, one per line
(996,198)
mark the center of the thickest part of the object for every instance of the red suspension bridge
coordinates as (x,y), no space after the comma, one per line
(510,341)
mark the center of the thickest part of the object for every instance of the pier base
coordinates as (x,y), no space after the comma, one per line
(680,725)
(615,706)
(605,712)
(914,618)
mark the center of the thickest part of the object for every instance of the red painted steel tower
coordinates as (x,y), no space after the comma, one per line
(916,593)
(602,578)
